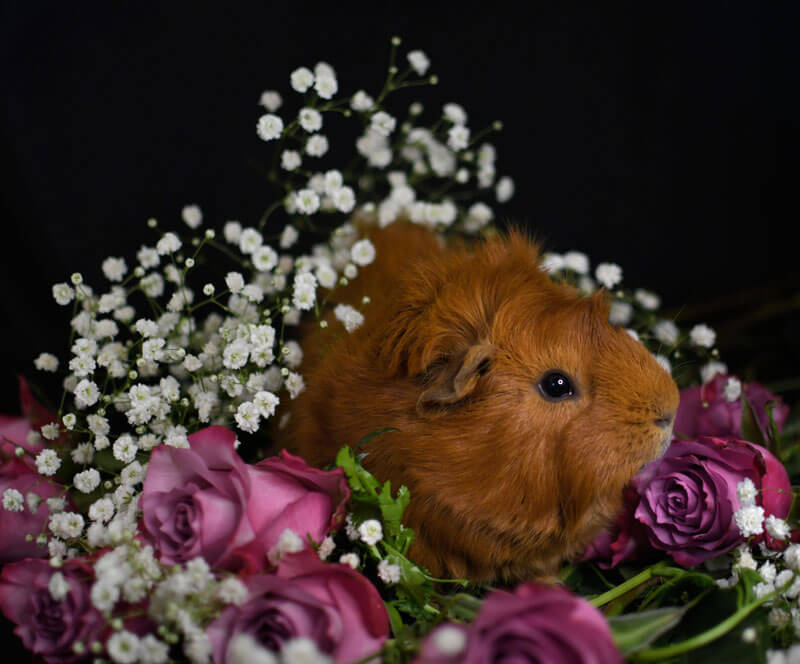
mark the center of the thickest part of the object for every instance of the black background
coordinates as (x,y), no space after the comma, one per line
(660,136)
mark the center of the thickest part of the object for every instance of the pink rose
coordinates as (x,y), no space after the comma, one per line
(535,623)
(288,494)
(687,499)
(705,410)
(625,541)
(47,626)
(14,429)
(330,603)
(205,501)
(14,526)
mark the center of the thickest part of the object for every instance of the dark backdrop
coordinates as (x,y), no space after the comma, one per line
(656,135)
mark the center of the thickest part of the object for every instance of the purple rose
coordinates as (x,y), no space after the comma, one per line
(205,501)
(706,411)
(535,623)
(329,603)
(687,499)
(14,526)
(48,626)
(193,500)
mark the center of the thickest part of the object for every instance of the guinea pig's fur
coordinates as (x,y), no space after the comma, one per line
(504,483)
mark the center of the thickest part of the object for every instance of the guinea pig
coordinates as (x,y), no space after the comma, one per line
(521,412)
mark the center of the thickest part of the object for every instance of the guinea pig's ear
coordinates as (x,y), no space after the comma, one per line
(455,379)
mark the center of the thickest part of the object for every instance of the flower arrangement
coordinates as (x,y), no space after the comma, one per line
(146,517)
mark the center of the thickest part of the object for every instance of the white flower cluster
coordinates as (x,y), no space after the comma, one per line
(638,312)
(156,353)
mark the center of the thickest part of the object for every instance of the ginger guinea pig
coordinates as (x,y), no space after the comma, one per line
(521,412)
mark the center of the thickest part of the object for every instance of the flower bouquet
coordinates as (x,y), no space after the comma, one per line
(149,513)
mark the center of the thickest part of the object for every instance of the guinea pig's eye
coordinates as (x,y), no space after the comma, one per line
(556,386)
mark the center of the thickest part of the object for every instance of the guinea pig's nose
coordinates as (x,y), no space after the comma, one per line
(665,421)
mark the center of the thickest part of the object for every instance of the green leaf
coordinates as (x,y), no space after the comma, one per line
(634,631)
(392,508)
(750,429)
(394,618)
(366,440)
(361,481)
(794,510)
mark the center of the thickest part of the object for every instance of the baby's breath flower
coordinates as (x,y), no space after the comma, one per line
(248,417)
(310,119)
(388,572)
(344,199)
(608,274)
(86,393)
(361,101)
(58,586)
(666,332)
(362,252)
(302,79)
(351,559)
(777,528)
(63,293)
(46,362)
(291,160)
(244,649)
(114,268)
(504,189)
(271,100)
(664,362)
(576,261)
(101,510)
(317,145)
(458,138)
(168,244)
(152,349)
(326,547)
(288,542)
(83,453)
(646,299)
(750,520)
(265,402)
(326,85)
(232,591)
(711,369)
(455,113)
(47,461)
(13,500)
(125,448)
(732,389)
(307,202)
(148,257)
(66,525)
(232,231)
(349,316)
(123,646)
(304,291)
(621,313)
(192,215)
(234,281)
(87,481)
(294,384)
(383,123)
(702,335)
(370,531)
(132,474)
(269,127)
(450,640)
(419,62)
